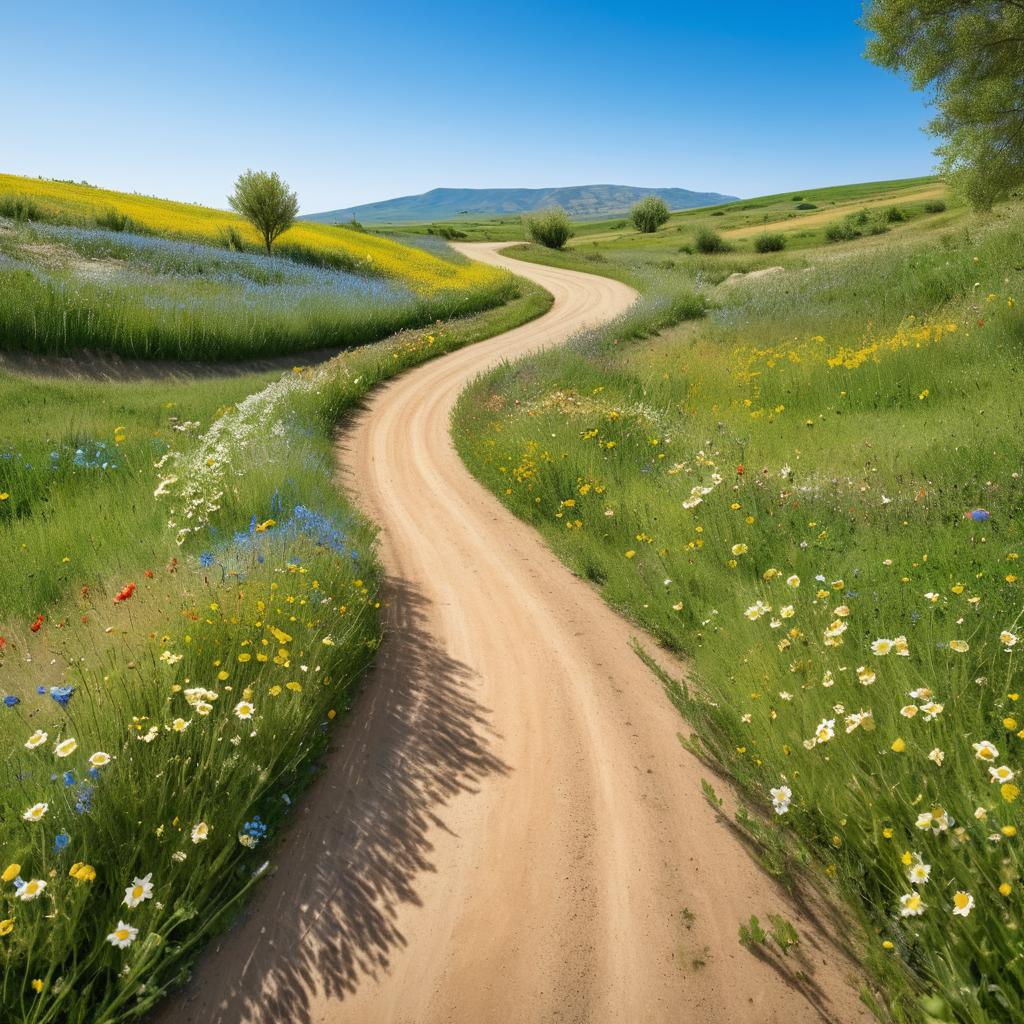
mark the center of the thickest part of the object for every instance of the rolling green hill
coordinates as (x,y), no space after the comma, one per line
(579,201)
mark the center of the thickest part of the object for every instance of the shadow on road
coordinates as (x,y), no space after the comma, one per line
(326,920)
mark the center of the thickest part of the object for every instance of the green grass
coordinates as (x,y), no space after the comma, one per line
(65,288)
(839,419)
(213,555)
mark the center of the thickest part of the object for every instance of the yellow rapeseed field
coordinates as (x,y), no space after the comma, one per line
(421,270)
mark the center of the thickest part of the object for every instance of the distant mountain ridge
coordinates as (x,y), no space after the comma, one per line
(581,202)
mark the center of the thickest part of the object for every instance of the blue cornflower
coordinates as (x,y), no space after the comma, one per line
(83,805)
(62,694)
(69,778)
(60,841)
(206,559)
(11,701)
(41,690)
(255,828)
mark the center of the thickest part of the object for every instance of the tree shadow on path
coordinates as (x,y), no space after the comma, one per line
(326,920)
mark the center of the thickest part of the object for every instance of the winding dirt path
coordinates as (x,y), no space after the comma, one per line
(507,830)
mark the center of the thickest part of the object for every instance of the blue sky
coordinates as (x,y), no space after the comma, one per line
(357,101)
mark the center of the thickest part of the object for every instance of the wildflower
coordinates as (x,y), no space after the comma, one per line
(793,581)
(37,624)
(825,731)
(960,646)
(1005,889)
(6,926)
(82,872)
(911,905)
(932,710)
(66,747)
(919,872)
(37,985)
(937,820)
(180,725)
(781,797)
(1009,792)
(898,745)
(200,832)
(31,890)
(963,903)
(739,549)
(1008,639)
(61,841)
(11,872)
(36,812)
(909,710)
(37,739)
(123,935)
(938,756)
(100,759)
(985,751)
(244,710)
(141,889)
(881,647)
(901,647)
(865,676)
(124,593)
(62,694)
(1001,774)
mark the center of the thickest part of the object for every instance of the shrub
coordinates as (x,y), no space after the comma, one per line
(841,231)
(935,206)
(770,242)
(708,241)
(231,238)
(115,220)
(649,214)
(550,228)
(718,213)
(19,208)
(447,232)
(797,199)
(807,206)
(893,215)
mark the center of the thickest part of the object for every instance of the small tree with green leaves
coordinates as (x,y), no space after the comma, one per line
(970,56)
(266,202)
(649,214)
(550,227)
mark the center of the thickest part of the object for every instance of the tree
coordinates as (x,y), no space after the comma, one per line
(970,55)
(264,200)
(649,214)
(550,227)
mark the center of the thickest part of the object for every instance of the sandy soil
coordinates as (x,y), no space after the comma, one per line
(507,830)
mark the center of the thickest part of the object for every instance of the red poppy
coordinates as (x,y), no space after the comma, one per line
(85,590)
(739,469)
(3,642)
(37,624)
(124,593)
(148,574)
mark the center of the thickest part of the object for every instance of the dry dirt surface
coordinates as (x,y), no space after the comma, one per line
(507,830)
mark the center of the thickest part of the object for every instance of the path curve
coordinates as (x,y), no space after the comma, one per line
(507,830)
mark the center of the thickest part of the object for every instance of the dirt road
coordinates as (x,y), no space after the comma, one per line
(507,830)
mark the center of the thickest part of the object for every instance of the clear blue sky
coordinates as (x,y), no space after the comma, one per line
(359,100)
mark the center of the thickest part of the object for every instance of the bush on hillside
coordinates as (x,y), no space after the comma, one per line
(807,206)
(894,215)
(935,206)
(708,241)
(19,208)
(649,214)
(841,231)
(550,228)
(770,242)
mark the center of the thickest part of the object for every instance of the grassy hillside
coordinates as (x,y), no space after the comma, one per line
(87,268)
(801,215)
(579,201)
(815,493)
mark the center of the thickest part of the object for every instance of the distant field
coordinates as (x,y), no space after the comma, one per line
(738,221)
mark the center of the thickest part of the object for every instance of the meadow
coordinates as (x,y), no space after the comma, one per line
(189,603)
(85,268)
(814,492)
